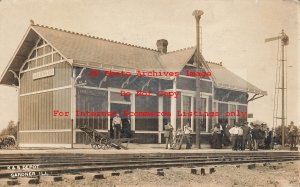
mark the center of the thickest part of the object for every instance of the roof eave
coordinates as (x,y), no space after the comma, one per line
(13,57)
(243,90)
(99,66)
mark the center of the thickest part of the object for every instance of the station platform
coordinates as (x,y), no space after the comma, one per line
(135,149)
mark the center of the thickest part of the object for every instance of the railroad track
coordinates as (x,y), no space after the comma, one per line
(57,164)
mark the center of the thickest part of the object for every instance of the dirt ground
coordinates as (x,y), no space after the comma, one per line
(285,176)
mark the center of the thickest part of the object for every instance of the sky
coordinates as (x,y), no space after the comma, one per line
(233,32)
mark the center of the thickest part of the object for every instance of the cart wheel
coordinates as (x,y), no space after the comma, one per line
(6,146)
(94,146)
(106,145)
(103,143)
(99,146)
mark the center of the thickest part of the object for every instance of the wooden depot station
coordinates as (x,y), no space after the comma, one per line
(63,71)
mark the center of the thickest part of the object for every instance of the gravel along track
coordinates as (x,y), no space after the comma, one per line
(276,169)
(228,176)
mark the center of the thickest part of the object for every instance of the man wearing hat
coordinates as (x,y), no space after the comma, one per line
(246,135)
(168,135)
(256,135)
(240,137)
(293,135)
(234,135)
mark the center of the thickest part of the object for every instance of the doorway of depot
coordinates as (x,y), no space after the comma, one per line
(126,123)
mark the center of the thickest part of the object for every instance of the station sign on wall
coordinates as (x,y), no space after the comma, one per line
(43,74)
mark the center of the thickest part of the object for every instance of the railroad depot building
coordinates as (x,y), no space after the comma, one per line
(61,72)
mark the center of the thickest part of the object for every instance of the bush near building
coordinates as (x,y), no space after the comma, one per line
(278,133)
(11,129)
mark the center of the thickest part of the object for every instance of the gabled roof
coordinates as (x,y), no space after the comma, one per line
(90,51)
(228,80)
(176,60)
(84,49)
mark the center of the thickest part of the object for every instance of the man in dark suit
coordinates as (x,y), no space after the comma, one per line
(246,135)
(168,134)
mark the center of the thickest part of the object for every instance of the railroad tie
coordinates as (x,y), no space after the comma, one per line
(29,180)
(251,166)
(128,171)
(194,171)
(93,176)
(115,173)
(9,182)
(72,177)
(203,170)
(160,172)
(208,170)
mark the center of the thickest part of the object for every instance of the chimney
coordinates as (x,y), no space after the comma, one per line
(162,45)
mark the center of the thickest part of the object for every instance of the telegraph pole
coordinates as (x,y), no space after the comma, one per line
(284,41)
(198,14)
(282,87)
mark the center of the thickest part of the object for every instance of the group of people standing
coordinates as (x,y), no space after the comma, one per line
(121,127)
(241,136)
(181,134)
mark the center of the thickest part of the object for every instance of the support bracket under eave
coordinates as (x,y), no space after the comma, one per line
(79,76)
(254,97)
(126,82)
(226,96)
(102,81)
(15,76)
(147,83)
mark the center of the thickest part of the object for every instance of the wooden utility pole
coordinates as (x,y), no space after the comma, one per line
(198,14)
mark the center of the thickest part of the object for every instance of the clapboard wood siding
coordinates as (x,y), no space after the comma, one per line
(61,78)
(37,110)
(45,137)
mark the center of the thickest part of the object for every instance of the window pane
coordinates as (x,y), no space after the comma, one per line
(115,96)
(223,108)
(166,108)
(202,118)
(146,104)
(232,119)
(186,108)
(242,108)
(91,101)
